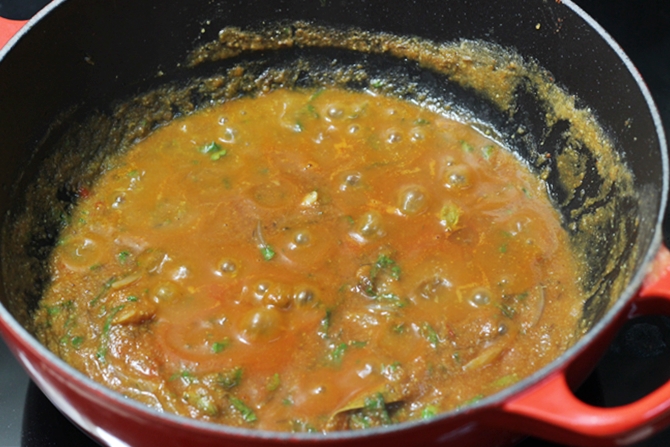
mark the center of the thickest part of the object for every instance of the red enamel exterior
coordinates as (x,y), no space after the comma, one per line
(8,28)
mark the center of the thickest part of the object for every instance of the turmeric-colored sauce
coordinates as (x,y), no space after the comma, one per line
(312,261)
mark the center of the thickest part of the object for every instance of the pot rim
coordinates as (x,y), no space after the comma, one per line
(490,402)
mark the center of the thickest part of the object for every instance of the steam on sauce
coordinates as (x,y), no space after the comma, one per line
(312,261)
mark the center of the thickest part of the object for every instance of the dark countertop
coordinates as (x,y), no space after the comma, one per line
(637,362)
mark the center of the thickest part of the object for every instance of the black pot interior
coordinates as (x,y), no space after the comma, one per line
(62,85)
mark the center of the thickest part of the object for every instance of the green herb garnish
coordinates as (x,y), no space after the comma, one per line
(430,335)
(325,324)
(487,151)
(230,379)
(337,353)
(267,252)
(207,405)
(377,83)
(449,216)
(77,341)
(274,382)
(375,406)
(507,310)
(467,147)
(214,150)
(123,256)
(429,411)
(184,375)
(505,381)
(105,288)
(219,346)
(102,350)
(384,263)
(247,413)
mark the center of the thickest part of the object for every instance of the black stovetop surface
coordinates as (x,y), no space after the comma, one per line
(636,363)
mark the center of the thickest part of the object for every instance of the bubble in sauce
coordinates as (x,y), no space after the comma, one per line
(413,200)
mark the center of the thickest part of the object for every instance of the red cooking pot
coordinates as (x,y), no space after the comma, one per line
(77,57)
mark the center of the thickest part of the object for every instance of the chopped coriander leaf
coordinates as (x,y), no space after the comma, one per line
(207,405)
(210,147)
(219,346)
(507,310)
(505,381)
(230,379)
(184,374)
(132,298)
(123,256)
(247,413)
(429,411)
(274,382)
(393,299)
(77,341)
(267,252)
(218,154)
(467,147)
(376,406)
(377,83)
(325,324)
(449,216)
(108,322)
(102,349)
(421,122)
(312,111)
(487,151)
(430,335)
(383,263)
(337,353)
(105,288)
(213,149)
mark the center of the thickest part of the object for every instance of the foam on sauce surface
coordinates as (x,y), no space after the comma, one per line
(312,261)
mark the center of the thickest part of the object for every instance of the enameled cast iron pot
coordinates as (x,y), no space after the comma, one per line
(78,54)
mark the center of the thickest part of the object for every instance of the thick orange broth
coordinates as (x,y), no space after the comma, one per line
(312,261)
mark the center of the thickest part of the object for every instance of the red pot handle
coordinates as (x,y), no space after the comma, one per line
(8,28)
(550,410)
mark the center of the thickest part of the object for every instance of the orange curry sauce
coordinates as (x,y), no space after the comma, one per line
(312,261)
